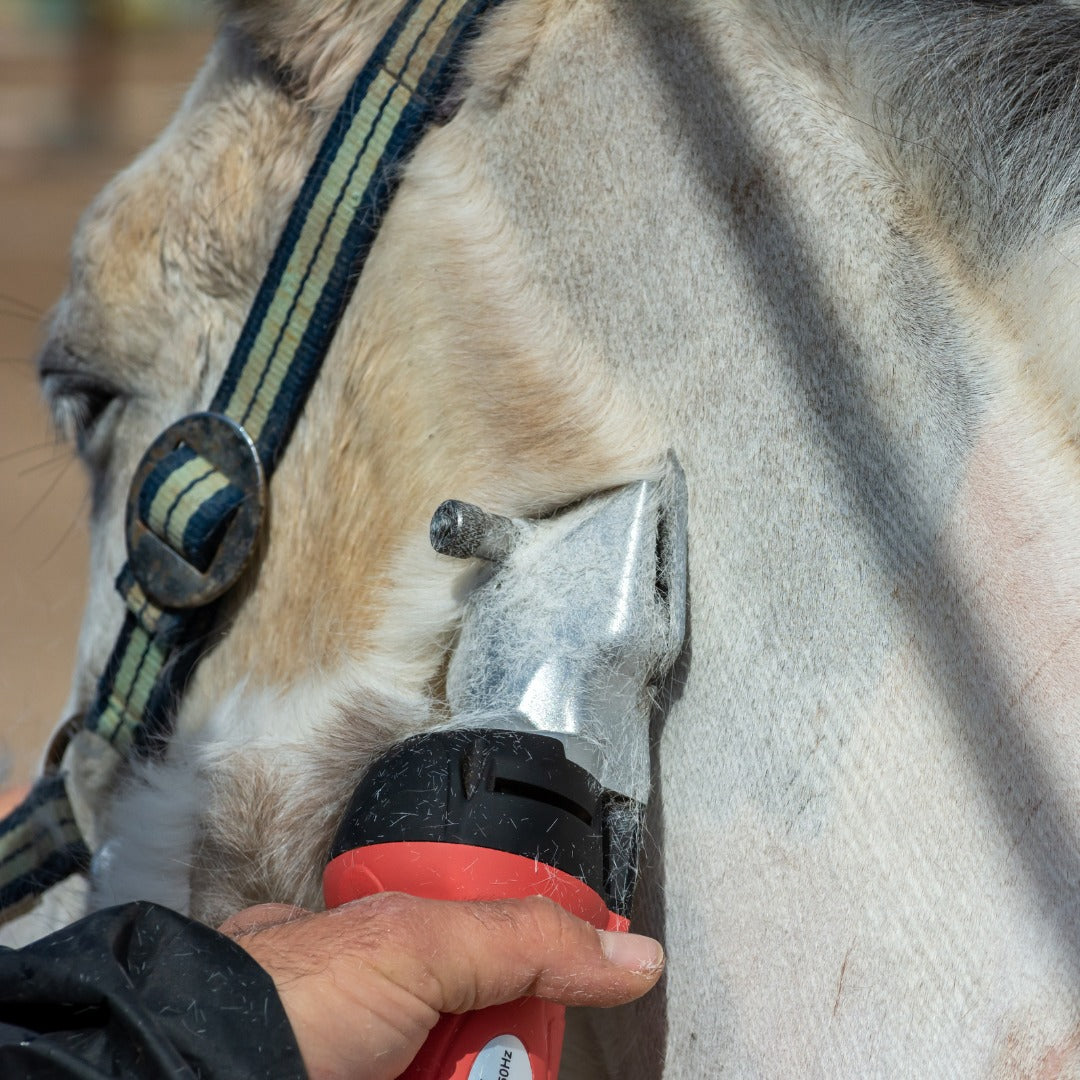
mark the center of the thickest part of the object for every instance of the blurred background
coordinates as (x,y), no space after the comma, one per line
(84,85)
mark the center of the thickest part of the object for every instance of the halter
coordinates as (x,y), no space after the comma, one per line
(198,499)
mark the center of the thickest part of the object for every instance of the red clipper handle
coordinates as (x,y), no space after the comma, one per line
(521,1040)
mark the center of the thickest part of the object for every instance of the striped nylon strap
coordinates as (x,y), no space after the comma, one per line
(196,504)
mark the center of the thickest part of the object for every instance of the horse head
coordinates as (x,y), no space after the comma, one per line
(825,253)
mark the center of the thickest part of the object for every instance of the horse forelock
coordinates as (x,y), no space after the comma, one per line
(977,107)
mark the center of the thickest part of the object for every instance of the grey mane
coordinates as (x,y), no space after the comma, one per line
(979,104)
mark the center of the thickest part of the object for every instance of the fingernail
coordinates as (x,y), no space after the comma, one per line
(634,952)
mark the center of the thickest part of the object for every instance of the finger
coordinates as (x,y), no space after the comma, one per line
(253,919)
(462,956)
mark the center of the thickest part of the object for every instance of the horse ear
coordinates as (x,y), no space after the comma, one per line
(318,44)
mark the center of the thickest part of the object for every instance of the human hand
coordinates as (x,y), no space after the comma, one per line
(364,984)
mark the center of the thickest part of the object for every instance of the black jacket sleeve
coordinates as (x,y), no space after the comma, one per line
(140,992)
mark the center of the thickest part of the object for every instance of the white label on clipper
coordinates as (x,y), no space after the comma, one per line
(504,1058)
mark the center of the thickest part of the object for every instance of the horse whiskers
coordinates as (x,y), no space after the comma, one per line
(40,501)
(57,459)
(15,301)
(65,535)
(25,316)
(37,448)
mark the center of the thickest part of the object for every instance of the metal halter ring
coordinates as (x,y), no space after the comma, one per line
(59,742)
(167,577)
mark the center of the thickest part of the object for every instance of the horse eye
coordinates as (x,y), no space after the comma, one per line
(77,402)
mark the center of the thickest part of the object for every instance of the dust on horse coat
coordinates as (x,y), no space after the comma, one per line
(825,251)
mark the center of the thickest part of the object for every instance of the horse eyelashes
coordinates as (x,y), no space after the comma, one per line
(77,402)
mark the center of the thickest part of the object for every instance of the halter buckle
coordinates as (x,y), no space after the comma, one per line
(166,576)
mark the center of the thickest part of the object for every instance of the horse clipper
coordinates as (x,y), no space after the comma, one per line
(537,784)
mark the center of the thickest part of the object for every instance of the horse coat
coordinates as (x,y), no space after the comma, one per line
(826,252)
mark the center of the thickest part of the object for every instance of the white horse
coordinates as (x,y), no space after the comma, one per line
(828,253)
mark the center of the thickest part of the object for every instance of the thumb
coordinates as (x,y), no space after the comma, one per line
(463,956)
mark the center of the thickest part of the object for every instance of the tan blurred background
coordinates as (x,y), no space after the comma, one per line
(84,85)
